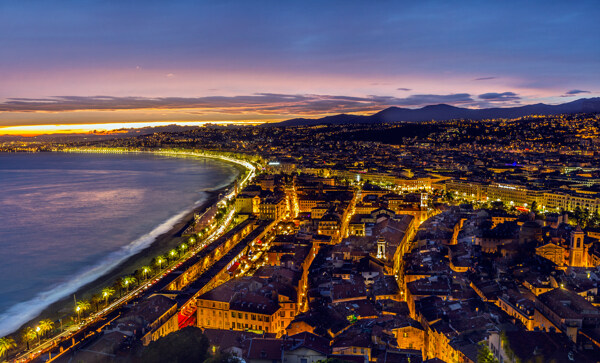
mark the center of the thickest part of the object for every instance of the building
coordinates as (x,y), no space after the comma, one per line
(330,225)
(509,193)
(272,207)
(299,348)
(517,306)
(553,252)
(577,253)
(564,311)
(531,346)
(248,303)
(466,189)
(157,317)
(247,204)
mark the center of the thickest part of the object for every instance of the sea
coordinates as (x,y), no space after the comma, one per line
(68,218)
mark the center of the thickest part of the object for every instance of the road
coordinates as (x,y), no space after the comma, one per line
(349,214)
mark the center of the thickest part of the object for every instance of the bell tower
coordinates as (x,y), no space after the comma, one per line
(381,248)
(424,198)
(577,255)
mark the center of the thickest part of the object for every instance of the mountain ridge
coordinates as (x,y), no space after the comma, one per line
(442,111)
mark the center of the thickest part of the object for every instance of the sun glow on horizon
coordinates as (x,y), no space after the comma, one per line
(114,127)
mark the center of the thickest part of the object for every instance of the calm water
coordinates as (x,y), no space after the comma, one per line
(66,219)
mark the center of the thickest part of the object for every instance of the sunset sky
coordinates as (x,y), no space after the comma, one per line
(90,62)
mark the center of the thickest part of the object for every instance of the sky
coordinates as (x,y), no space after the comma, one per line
(99,62)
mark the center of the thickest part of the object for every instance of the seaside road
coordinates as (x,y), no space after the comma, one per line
(59,347)
(75,336)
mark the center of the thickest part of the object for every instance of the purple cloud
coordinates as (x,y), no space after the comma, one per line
(499,97)
(263,103)
(576,92)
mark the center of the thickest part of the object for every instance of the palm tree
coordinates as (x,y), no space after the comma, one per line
(145,271)
(126,281)
(183,247)
(82,306)
(28,335)
(172,253)
(45,326)
(96,301)
(159,261)
(118,287)
(106,293)
(6,344)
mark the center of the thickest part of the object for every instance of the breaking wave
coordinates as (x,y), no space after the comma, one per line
(19,314)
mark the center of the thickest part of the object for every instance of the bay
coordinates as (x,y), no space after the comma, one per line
(66,219)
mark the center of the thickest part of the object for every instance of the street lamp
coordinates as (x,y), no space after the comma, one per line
(78,309)
(37,332)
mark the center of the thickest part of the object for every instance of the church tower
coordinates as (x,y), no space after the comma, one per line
(577,255)
(424,198)
(381,248)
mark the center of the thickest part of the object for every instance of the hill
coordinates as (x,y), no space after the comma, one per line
(446,112)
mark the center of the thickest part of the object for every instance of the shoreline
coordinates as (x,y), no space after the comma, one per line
(161,244)
(63,308)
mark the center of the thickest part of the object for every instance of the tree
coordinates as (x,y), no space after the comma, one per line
(185,345)
(448,196)
(498,205)
(106,293)
(159,261)
(28,335)
(46,326)
(594,221)
(484,354)
(96,299)
(126,281)
(173,253)
(118,287)
(145,271)
(81,307)
(579,215)
(6,344)
(534,206)
(183,247)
